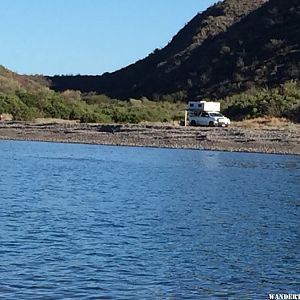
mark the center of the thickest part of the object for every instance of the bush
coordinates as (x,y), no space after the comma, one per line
(26,99)
(278,102)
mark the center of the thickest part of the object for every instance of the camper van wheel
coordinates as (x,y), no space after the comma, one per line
(193,123)
(211,124)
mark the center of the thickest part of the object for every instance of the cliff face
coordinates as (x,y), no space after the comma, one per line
(232,46)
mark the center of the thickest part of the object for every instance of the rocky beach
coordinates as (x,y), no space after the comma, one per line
(284,140)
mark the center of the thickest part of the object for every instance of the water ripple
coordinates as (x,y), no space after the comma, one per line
(91,222)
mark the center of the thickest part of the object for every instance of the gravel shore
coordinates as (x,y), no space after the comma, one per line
(269,140)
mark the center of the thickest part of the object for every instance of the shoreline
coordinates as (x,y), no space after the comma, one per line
(284,141)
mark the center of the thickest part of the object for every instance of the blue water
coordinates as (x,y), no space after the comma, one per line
(98,222)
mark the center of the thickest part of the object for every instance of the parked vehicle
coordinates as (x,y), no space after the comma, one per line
(204,113)
(204,106)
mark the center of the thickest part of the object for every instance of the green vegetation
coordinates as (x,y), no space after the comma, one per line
(28,106)
(27,98)
(278,102)
(218,54)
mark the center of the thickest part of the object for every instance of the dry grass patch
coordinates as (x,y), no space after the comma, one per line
(55,121)
(266,122)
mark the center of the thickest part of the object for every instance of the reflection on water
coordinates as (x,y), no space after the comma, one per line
(92,222)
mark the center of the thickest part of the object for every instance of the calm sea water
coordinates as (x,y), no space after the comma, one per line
(96,222)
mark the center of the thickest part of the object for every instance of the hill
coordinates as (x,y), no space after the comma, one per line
(29,97)
(244,53)
(231,47)
(11,82)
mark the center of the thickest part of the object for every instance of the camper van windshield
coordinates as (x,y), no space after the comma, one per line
(216,115)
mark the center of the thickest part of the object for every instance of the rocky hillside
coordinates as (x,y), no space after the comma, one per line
(11,82)
(231,47)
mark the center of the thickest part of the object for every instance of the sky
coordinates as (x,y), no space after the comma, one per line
(87,36)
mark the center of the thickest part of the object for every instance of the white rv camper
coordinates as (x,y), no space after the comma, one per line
(203,113)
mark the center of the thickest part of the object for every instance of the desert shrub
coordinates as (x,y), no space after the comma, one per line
(294,113)
(175,97)
(26,99)
(70,96)
(55,107)
(89,117)
(20,111)
(96,99)
(278,102)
